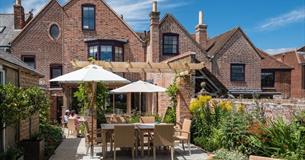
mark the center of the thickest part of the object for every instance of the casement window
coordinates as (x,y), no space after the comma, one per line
(170,44)
(55,71)
(88,17)
(29,60)
(106,51)
(2,75)
(237,72)
(93,51)
(267,78)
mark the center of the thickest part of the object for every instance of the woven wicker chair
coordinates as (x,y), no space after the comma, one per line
(183,134)
(164,136)
(124,136)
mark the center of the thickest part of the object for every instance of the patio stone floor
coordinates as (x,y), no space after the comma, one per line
(75,149)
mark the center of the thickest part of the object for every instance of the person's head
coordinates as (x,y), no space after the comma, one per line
(72,113)
(67,112)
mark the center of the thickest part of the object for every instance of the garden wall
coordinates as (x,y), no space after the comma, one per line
(274,108)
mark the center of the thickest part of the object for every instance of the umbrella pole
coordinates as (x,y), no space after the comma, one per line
(113,103)
(140,102)
(92,118)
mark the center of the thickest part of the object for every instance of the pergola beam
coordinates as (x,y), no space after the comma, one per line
(143,67)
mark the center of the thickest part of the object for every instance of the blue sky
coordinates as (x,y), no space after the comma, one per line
(272,25)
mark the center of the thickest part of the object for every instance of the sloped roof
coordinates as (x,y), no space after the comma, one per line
(16,61)
(269,62)
(9,32)
(215,44)
(302,49)
(298,55)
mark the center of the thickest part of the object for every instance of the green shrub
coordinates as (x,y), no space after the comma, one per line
(224,154)
(281,139)
(235,132)
(170,116)
(134,119)
(53,137)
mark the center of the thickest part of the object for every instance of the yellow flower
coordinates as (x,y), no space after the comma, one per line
(241,108)
(199,102)
(226,105)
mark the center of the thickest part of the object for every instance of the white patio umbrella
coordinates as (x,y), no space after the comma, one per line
(139,87)
(93,74)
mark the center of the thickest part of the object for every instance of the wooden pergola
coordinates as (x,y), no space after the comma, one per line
(143,67)
(176,67)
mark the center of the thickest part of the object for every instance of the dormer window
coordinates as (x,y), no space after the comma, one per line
(170,44)
(88,17)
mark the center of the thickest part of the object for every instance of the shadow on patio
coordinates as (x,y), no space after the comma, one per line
(75,149)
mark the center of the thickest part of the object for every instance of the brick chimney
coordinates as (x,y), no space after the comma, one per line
(19,17)
(201,31)
(153,54)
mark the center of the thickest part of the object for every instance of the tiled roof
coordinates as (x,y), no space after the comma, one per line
(298,55)
(216,43)
(269,62)
(16,61)
(9,32)
(302,49)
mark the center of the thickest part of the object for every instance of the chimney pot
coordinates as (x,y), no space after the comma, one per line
(155,6)
(18,2)
(200,17)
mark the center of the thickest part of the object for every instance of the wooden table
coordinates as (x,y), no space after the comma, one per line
(109,129)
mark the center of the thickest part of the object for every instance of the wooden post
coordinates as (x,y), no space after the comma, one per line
(128,103)
(93,107)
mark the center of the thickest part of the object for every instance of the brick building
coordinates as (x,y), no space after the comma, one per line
(295,59)
(16,72)
(83,29)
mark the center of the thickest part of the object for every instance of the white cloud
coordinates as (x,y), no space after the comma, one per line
(278,50)
(136,12)
(294,16)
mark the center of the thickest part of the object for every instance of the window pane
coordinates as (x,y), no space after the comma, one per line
(54,31)
(93,51)
(170,44)
(56,71)
(106,53)
(88,17)
(237,72)
(267,79)
(1,77)
(118,54)
(29,60)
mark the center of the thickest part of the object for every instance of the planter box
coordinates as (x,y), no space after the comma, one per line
(33,149)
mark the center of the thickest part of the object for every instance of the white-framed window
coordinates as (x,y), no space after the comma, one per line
(2,75)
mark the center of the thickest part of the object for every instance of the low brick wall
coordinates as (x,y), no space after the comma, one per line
(274,108)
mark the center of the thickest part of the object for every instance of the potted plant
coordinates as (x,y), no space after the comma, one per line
(33,148)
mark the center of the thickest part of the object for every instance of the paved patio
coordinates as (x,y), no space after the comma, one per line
(75,149)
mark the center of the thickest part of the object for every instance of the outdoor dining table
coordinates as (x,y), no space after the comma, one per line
(108,129)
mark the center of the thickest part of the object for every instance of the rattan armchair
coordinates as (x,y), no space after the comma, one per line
(184,135)
(164,136)
(124,136)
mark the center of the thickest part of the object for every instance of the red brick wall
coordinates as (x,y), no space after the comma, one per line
(297,89)
(283,83)
(35,40)
(186,43)
(238,50)
(108,26)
